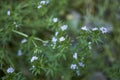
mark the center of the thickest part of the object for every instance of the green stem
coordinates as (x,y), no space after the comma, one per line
(20,33)
(25,35)
(36,38)
(34,43)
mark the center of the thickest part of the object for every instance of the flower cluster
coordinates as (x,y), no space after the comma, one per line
(55,38)
(102,29)
(43,2)
(75,66)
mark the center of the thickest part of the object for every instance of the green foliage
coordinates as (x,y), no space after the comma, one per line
(45,40)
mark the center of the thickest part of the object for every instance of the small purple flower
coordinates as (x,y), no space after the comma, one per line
(24,40)
(56,33)
(34,58)
(64,27)
(81,64)
(104,30)
(8,12)
(62,39)
(10,70)
(54,40)
(73,66)
(75,55)
(19,53)
(55,20)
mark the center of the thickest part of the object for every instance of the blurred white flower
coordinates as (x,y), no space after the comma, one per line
(14,22)
(8,12)
(75,55)
(81,64)
(78,72)
(34,58)
(24,40)
(56,33)
(104,30)
(85,28)
(16,25)
(54,40)
(89,45)
(55,20)
(64,27)
(82,58)
(45,43)
(33,66)
(43,2)
(94,29)
(62,39)
(73,66)
(47,2)
(10,70)
(19,53)
(39,6)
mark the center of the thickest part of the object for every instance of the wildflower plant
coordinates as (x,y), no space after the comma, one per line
(25,54)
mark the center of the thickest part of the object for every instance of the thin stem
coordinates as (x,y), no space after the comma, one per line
(25,35)
(34,43)
(20,33)
(36,38)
